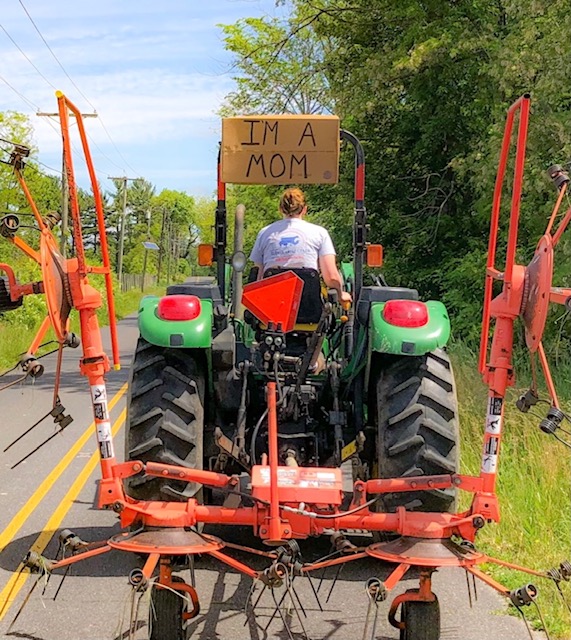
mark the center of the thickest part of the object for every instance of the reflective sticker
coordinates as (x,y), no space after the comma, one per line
(105,440)
(489,463)
(106,450)
(98,393)
(100,411)
(104,431)
(494,416)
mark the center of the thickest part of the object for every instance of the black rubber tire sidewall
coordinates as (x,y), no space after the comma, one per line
(165,418)
(416,417)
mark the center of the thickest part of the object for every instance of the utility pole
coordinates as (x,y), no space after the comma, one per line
(161,246)
(64,185)
(124,180)
(146,249)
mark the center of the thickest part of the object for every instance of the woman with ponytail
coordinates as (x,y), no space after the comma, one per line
(293,243)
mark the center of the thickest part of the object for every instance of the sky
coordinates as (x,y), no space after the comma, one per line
(155,72)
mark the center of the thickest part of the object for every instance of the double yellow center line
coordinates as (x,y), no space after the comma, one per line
(16,582)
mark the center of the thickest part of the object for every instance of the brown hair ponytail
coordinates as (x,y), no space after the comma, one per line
(292,202)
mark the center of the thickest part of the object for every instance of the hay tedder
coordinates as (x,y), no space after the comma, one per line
(252,418)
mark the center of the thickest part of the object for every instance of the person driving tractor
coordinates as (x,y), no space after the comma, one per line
(293,243)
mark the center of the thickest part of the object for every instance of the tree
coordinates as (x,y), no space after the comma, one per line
(277,71)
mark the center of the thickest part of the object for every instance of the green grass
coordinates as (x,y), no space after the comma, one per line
(533,489)
(18,327)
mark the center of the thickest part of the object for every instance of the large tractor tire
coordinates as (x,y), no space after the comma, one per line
(417,427)
(165,418)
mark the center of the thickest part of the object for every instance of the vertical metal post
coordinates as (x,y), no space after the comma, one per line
(148,215)
(237,283)
(275,533)
(220,234)
(64,209)
(122,232)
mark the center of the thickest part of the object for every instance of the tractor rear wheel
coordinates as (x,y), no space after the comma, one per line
(421,620)
(417,427)
(165,418)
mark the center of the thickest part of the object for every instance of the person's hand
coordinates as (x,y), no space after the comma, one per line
(346,298)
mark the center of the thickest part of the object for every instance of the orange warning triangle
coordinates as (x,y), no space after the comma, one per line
(275,299)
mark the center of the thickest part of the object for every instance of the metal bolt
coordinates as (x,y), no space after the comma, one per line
(137,467)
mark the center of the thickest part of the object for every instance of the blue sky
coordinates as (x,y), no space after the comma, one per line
(156,72)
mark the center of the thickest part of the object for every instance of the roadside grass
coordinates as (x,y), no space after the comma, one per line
(18,327)
(533,489)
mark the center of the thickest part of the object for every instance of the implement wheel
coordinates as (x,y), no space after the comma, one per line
(165,418)
(417,427)
(421,620)
(166,610)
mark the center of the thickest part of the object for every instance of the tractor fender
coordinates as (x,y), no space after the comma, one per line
(184,334)
(410,341)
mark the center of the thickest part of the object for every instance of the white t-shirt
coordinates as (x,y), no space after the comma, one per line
(291,243)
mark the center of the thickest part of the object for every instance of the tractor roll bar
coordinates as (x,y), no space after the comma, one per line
(220,231)
(360,221)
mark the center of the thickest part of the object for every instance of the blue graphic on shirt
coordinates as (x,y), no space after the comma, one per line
(289,241)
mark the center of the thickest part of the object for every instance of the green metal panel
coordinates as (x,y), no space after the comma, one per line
(414,341)
(183,334)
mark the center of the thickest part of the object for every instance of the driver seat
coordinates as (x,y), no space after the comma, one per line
(311,304)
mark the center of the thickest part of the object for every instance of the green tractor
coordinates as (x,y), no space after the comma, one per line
(372,387)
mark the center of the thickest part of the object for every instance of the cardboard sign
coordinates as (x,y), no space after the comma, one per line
(283,149)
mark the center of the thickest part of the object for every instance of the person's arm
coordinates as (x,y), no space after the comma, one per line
(332,277)
(257,256)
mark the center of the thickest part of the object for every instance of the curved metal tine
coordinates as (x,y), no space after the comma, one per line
(314,592)
(28,430)
(24,603)
(469,588)
(137,613)
(562,595)
(542,620)
(54,435)
(249,600)
(367,618)
(340,568)
(278,605)
(288,630)
(526,622)
(60,585)
(132,614)
(191,570)
(327,557)
(375,622)
(474,583)
(289,587)
(248,613)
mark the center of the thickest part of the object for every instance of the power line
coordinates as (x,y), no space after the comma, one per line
(20,95)
(55,57)
(78,89)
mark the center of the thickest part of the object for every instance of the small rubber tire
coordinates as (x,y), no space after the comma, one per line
(416,418)
(421,619)
(166,610)
(165,418)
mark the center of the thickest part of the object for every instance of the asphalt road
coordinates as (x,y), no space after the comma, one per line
(56,488)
